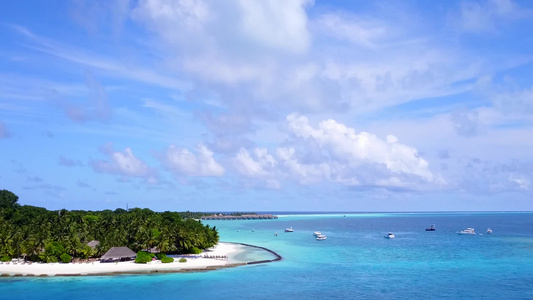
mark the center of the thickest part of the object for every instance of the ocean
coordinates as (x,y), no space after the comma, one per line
(355,262)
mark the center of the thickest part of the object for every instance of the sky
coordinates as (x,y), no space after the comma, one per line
(274,105)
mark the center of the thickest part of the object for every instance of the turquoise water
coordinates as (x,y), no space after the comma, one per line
(355,262)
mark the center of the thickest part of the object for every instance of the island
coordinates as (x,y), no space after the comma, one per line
(37,242)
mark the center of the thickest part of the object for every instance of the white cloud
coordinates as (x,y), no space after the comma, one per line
(334,153)
(344,145)
(123,163)
(263,164)
(304,173)
(182,162)
(520,180)
(277,23)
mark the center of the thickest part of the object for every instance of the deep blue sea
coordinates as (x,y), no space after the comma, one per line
(355,262)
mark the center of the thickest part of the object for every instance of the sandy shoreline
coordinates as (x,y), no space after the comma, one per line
(75,269)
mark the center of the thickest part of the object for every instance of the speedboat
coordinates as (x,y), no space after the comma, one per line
(431,228)
(467,231)
(389,235)
(489,231)
(289,229)
(321,237)
(317,233)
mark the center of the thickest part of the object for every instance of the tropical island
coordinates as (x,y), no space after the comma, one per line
(141,240)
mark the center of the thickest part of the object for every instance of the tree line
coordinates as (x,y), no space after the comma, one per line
(43,235)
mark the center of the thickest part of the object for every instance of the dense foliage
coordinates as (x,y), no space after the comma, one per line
(45,235)
(167,260)
(144,257)
(65,258)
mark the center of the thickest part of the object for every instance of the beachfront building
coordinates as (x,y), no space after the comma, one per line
(118,254)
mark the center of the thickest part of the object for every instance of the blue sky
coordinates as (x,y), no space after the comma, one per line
(267,105)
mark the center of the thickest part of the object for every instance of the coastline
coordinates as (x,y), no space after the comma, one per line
(198,264)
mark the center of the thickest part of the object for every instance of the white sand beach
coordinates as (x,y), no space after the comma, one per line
(93,268)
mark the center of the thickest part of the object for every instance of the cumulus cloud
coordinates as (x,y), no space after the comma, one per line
(335,153)
(278,24)
(344,145)
(182,162)
(274,24)
(123,163)
(258,164)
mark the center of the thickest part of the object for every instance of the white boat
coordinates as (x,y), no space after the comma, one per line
(317,233)
(489,231)
(321,237)
(289,229)
(468,231)
(389,235)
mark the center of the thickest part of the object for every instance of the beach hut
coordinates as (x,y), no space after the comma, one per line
(118,254)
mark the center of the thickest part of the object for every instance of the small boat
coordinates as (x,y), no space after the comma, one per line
(317,233)
(321,237)
(289,229)
(489,231)
(468,231)
(431,228)
(389,235)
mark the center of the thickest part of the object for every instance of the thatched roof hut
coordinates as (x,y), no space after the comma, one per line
(118,254)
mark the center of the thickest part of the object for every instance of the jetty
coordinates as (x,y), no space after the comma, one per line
(241,217)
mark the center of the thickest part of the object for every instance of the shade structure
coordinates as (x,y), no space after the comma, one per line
(118,254)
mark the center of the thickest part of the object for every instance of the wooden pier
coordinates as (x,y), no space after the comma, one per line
(242,217)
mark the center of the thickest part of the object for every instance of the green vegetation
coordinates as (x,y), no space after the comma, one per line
(195,250)
(144,257)
(65,258)
(43,235)
(8,199)
(167,260)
